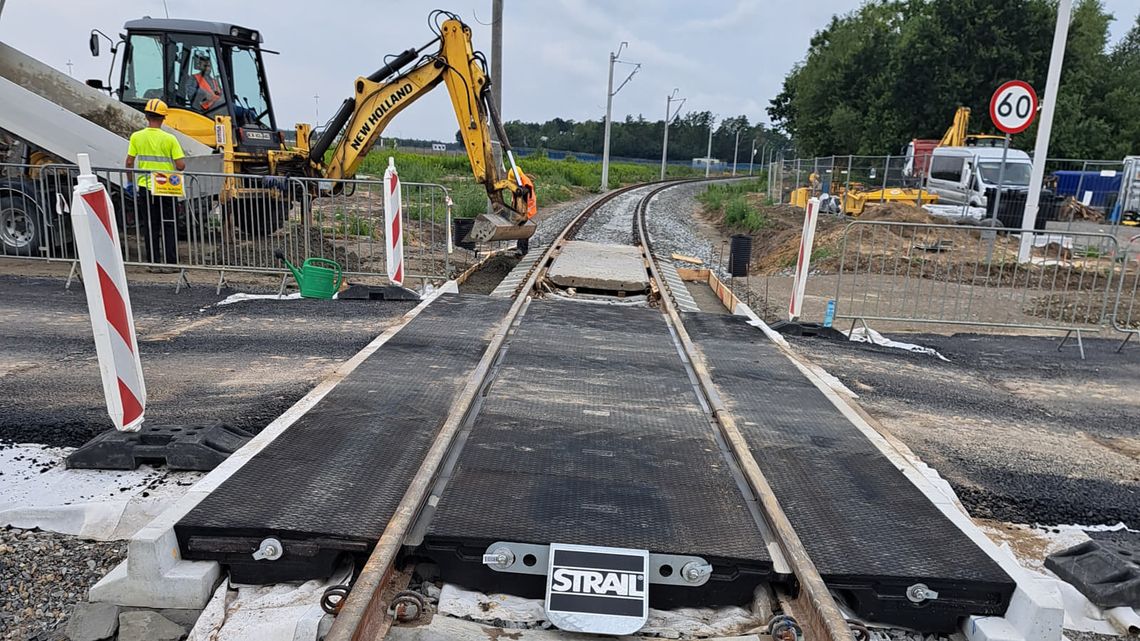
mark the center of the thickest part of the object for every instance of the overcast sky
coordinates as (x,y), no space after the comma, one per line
(727,56)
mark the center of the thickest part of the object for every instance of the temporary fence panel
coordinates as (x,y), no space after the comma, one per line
(234,222)
(1126,309)
(970,275)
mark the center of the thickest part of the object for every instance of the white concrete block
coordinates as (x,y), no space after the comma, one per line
(615,268)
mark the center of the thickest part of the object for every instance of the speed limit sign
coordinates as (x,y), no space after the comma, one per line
(1013,107)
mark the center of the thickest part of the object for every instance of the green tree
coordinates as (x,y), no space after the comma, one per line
(895,70)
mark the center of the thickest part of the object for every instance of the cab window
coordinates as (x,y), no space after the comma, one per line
(249,92)
(142,75)
(195,77)
(947,168)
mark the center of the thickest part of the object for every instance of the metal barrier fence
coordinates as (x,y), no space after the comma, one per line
(970,275)
(234,222)
(1085,191)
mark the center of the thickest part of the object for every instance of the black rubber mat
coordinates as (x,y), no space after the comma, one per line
(331,481)
(592,434)
(868,529)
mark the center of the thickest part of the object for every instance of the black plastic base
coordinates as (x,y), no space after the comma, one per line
(374,292)
(808,330)
(1100,571)
(179,447)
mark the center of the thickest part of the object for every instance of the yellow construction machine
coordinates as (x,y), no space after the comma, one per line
(212,78)
(958,134)
(852,200)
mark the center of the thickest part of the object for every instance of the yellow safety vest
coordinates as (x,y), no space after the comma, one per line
(154,150)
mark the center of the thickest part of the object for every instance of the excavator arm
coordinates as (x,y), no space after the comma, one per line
(379,97)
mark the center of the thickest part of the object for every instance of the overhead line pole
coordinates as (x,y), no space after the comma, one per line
(610,93)
(668,120)
(735,150)
(708,153)
(497,57)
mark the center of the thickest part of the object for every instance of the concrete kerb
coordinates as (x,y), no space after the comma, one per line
(155,575)
(1036,611)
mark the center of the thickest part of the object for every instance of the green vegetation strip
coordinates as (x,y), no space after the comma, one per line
(555,180)
(738,202)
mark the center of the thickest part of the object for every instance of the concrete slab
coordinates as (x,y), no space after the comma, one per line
(586,265)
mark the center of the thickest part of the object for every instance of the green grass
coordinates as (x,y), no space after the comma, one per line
(343,224)
(555,181)
(732,200)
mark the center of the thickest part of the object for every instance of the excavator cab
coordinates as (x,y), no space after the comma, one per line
(201,70)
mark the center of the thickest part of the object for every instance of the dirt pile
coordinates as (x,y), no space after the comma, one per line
(776,247)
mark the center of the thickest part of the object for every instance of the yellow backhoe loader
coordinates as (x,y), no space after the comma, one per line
(211,76)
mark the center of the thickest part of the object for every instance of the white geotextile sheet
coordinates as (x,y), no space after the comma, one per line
(867,335)
(281,612)
(241,297)
(38,492)
(512,611)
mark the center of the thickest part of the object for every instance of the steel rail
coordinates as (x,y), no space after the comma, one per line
(363,615)
(815,609)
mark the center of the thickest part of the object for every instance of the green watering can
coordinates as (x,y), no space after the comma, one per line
(317,277)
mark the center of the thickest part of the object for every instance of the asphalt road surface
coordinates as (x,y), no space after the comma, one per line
(242,364)
(1023,433)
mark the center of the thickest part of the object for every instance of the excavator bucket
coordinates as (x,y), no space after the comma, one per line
(492,227)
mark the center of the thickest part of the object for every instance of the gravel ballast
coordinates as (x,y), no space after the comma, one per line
(43,575)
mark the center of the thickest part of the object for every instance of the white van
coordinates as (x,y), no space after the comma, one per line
(961,175)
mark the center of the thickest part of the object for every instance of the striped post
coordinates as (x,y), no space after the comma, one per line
(105,282)
(803,263)
(393,224)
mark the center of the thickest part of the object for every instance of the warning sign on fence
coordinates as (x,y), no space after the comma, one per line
(167,183)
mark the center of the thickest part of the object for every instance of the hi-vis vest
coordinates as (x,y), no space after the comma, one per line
(211,91)
(154,150)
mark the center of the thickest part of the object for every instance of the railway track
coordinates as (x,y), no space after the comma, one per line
(367,612)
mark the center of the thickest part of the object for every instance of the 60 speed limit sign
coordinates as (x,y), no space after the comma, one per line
(1013,107)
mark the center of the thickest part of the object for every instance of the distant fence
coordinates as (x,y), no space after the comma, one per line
(1099,190)
(970,275)
(233,222)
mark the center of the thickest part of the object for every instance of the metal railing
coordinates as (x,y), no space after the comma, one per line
(1126,310)
(1085,191)
(234,222)
(970,275)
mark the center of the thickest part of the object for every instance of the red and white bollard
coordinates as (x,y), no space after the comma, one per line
(803,263)
(105,281)
(393,224)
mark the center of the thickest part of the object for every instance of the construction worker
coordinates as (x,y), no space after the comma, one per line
(206,91)
(153,149)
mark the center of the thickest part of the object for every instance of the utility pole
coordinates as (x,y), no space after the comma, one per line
(735,150)
(497,56)
(69,66)
(669,116)
(316,109)
(1044,128)
(610,93)
(708,154)
(752,158)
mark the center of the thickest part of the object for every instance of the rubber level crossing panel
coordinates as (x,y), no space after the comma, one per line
(871,532)
(592,433)
(328,485)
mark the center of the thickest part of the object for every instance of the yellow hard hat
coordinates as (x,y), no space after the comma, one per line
(156,107)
